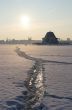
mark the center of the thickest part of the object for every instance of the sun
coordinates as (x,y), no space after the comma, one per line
(25,21)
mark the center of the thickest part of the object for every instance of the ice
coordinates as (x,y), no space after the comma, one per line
(51,82)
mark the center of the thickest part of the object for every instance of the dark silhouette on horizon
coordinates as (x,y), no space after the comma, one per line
(50,38)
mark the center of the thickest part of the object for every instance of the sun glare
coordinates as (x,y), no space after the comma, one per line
(25,21)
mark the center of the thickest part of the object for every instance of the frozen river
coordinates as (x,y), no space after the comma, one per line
(26,83)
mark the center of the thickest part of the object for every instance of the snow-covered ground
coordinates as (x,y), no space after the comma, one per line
(55,91)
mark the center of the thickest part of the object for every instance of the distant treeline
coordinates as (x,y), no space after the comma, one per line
(35,42)
(13,41)
(48,39)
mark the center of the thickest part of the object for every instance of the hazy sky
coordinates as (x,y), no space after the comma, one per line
(44,15)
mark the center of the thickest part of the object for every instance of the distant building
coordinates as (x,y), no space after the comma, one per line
(50,38)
